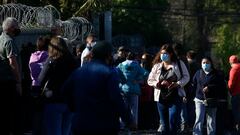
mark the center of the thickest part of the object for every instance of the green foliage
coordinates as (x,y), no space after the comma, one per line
(228,43)
(83,8)
(222,5)
(141,17)
(93,6)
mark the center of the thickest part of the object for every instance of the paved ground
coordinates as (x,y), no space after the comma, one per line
(153,132)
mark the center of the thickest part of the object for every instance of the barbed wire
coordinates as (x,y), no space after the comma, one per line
(47,17)
(75,28)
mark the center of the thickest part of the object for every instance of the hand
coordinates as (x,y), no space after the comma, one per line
(205,89)
(184,100)
(165,83)
(173,85)
(48,93)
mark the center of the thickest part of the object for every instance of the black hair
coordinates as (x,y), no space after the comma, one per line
(101,50)
(210,60)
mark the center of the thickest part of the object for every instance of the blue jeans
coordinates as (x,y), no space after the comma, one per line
(57,119)
(132,102)
(236,108)
(169,115)
(191,112)
(200,115)
(184,113)
(188,113)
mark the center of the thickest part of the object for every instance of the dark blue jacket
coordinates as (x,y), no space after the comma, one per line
(215,82)
(93,94)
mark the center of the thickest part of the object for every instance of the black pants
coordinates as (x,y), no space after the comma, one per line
(10,104)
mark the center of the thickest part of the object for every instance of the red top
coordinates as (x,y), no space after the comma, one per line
(234,79)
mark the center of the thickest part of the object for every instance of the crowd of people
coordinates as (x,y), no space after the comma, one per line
(92,91)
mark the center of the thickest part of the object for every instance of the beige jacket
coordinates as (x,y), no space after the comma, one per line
(153,78)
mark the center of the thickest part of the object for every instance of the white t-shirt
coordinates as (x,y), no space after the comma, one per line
(86,52)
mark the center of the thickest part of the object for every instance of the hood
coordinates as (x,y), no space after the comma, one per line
(39,56)
(128,62)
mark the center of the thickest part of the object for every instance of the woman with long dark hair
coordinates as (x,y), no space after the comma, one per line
(168,77)
(59,65)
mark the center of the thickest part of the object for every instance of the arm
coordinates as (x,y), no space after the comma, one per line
(122,78)
(11,53)
(117,99)
(146,73)
(15,69)
(44,74)
(152,81)
(216,88)
(185,75)
(142,74)
(194,82)
(232,80)
(67,91)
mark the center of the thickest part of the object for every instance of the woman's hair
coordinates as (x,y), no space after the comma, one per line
(58,48)
(44,45)
(168,49)
(210,60)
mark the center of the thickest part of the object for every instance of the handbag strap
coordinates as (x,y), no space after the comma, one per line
(180,69)
(44,87)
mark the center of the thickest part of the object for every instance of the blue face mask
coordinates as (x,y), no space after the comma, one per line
(206,67)
(164,57)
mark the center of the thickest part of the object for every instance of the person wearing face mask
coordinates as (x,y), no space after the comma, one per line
(10,78)
(209,84)
(168,77)
(90,43)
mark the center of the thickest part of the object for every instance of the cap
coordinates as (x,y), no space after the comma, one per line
(233,59)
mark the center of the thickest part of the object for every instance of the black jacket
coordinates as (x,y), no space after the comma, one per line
(56,72)
(214,81)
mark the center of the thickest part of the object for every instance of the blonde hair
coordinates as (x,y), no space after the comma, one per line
(58,48)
